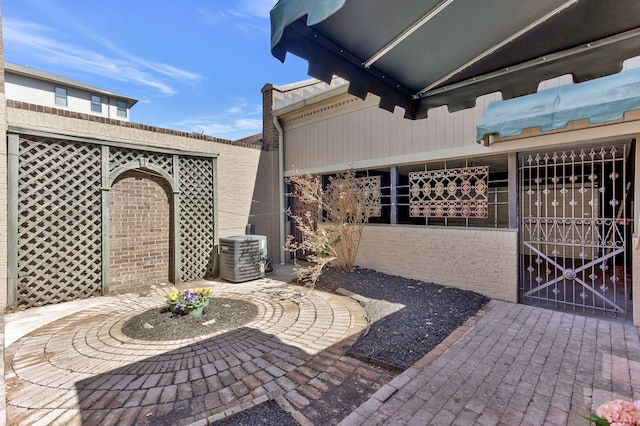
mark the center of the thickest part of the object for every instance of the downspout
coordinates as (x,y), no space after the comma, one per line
(283,217)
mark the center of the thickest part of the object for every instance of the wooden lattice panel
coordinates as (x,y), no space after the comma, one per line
(449,193)
(196,217)
(119,157)
(59,222)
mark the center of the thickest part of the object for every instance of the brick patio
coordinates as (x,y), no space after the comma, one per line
(511,365)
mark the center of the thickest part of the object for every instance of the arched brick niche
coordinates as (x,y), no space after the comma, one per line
(140,218)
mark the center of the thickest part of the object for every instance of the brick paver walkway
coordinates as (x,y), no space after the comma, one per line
(518,365)
(82,370)
(511,365)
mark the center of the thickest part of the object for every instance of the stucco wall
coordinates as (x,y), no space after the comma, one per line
(484,261)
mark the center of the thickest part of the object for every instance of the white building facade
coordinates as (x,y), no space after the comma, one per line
(41,88)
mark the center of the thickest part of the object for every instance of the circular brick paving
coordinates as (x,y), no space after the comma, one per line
(82,370)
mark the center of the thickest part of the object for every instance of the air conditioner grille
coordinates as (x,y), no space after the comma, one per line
(241,258)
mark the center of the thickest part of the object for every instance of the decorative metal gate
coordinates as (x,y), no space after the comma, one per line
(575,230)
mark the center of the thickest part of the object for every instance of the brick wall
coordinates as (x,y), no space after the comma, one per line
(484,261)
(140,229)
(237,162)
(237,165)
(269,132)
(3,184)
(3,225)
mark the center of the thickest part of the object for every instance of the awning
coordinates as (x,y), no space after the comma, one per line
(600,100)
(421,54)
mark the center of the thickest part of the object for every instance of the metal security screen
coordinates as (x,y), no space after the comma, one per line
(449,192)
(575,230)
(59,222)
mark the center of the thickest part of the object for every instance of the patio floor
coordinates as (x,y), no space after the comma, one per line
(512,364)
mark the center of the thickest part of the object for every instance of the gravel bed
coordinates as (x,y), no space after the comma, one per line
(162,324)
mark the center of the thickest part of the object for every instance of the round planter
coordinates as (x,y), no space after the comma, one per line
(206,302)
(196,312)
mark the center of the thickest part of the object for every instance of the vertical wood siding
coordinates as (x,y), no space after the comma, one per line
(371,133)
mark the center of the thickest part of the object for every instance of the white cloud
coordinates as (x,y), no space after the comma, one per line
(41,43)
(236,122)
(258,8)
(246,15)
(249,123)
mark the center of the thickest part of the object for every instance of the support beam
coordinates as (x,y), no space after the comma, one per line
(12,219)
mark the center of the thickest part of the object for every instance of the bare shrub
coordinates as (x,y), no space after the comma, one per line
(331,221)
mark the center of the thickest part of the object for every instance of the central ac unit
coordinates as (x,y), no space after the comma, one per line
(242,258)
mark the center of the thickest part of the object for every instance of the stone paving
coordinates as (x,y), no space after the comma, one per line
(518,365)
(82,370)
(510,365)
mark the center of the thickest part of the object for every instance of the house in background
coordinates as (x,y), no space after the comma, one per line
(37,87)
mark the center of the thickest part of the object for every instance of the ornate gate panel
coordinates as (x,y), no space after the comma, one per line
(575,230)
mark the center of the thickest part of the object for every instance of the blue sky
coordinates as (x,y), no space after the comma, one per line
(194,65)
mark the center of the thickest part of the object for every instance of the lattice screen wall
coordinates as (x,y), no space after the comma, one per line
(59,222)
(59,217)
(196,213)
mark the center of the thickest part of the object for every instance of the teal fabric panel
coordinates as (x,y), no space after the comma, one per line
(286,12)
(599,100)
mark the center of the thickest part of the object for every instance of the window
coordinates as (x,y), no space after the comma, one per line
(122,109)
(61,96)
(96,103)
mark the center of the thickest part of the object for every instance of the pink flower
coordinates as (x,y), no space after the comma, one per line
(620,413)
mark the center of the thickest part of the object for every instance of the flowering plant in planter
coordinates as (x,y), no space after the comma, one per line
(172,297)
(203,293)
(617,413)
(183,301)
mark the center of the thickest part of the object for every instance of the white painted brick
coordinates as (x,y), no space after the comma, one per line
(484,261)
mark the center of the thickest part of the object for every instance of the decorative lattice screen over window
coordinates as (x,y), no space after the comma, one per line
(370,188)
(196,216)
(449,193)
(59,222)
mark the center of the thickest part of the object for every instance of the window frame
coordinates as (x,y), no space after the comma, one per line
(121,107)
(96,103)
(60,96)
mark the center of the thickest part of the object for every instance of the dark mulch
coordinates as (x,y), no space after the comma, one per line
(408,318)
(162,324)
(266,414)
